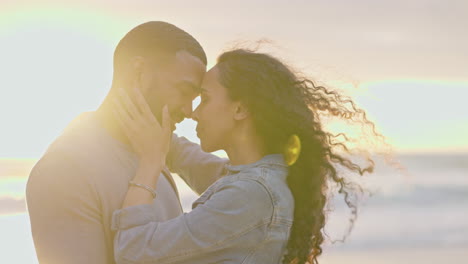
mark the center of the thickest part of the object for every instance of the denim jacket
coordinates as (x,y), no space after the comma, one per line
(243,216)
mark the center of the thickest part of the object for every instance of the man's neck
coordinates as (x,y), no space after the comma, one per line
(106,118)
(105,113)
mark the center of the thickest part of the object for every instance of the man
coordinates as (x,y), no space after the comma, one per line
(83,176)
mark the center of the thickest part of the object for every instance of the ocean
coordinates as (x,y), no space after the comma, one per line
(417,217)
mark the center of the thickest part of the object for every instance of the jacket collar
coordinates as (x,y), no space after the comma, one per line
(272,159)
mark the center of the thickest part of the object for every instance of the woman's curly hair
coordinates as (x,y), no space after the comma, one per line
(283,104)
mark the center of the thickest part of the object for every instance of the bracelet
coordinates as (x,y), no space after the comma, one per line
(146,187)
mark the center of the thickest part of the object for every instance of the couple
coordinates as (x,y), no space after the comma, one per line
(103,192)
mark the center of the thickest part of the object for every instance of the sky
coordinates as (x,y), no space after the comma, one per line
(405,62)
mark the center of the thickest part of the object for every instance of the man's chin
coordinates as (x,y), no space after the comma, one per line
(173,126)
(206,148)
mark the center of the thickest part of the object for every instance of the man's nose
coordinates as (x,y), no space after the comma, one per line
(187,110)
(195,115)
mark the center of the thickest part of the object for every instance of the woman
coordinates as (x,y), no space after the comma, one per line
(268,204)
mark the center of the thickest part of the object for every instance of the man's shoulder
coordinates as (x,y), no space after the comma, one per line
(82,144)
(73,156)
(61,174)
(79,174)
(56,168)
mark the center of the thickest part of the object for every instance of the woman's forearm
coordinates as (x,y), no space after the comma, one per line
(147,174)
(199,169)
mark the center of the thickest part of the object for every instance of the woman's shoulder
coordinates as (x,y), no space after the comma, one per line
(269,177)
(247,182)
(268,194)
(259,179)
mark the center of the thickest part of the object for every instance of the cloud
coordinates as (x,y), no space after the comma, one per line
(16,168)
(12,206)
(13,177)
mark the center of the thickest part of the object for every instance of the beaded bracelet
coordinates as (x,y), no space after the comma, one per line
(149,189)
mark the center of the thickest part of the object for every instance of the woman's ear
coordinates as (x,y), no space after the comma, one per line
(241,111)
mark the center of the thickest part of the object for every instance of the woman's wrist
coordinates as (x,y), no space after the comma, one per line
(149,170)
(146,177)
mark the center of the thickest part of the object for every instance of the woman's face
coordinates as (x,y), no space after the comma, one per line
(215,114)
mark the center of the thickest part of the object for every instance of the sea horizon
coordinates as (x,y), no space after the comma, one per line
(421,217)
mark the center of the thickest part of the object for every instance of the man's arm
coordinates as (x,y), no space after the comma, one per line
(65,215)
(198,168)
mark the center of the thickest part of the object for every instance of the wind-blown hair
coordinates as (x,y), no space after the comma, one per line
(283,104)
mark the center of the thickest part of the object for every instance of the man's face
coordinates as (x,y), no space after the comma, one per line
(175,83)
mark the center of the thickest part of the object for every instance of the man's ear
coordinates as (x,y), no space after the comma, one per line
(137,66)
(241,111)
(137,63)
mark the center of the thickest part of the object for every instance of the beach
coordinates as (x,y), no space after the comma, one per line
(420,218)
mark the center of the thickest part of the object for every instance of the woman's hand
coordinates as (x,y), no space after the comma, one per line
(148,138)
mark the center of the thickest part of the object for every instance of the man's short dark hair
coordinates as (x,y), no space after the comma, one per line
(156,37)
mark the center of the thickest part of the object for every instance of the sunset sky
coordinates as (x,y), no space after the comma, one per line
(405,62)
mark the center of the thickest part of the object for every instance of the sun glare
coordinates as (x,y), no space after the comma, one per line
(55,71)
